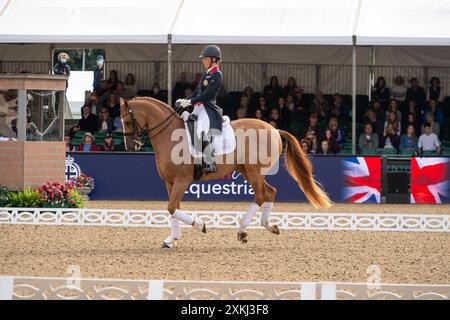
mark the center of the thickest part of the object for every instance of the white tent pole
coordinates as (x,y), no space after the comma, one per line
(169,69)
(354,97)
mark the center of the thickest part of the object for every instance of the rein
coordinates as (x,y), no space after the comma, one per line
(142,131)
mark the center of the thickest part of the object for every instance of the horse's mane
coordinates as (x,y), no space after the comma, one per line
(153,100)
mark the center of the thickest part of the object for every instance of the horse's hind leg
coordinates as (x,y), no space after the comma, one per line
(257,183)
(269,197)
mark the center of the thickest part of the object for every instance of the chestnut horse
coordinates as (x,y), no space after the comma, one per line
(144,116)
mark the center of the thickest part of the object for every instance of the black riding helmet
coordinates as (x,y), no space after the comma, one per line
(211,51)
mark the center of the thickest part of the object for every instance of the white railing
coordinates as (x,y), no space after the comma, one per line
(229,219)
(41,288)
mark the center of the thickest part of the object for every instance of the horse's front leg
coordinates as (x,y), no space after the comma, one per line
(178,189)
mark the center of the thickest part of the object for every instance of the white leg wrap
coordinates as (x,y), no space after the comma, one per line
(265,213)
(175,228)
(247,217)
(180,215)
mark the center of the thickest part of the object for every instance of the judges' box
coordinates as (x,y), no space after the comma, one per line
(29,164)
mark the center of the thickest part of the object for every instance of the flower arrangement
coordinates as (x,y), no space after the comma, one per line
(83,181)
(25,199)
(5,196)
(57,195)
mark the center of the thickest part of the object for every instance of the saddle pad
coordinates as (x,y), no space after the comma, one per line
(223,144)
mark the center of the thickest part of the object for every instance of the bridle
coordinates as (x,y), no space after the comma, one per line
(139,132)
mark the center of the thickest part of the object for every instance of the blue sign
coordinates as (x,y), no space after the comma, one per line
(133,176)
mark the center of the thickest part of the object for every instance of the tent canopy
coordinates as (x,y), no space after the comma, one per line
(404,22)
(297,22)
(321,22)
(100,21)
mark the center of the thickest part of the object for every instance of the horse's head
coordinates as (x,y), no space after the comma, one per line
(132,126)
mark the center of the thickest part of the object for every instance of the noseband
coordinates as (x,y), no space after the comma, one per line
(139,132)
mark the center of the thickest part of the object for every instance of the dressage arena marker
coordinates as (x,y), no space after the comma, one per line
(228,219)
(43,288)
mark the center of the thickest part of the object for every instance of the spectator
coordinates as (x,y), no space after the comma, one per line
(272,91)
(113,80)
(311,137)
(337,133)
(412,108)
(435,110)
(285,113)
(379,110)
(377,124)
(325,148)
(394,107)
(62,66)
(435,91)
(118,124)
(275,116)
(130,85)
(242,111)
(290,102)
(392,120)
(408,141)
(69,146)
(398,90)
(390,138)
(305,146)
(338,109)
(428,141)
(312,125)
(94,103)
(197,79)
(299,101)
(273,123)
(259,115)
(411,121)
(263,107)
(88,121)
(180,87)
(368,140)
(105,122)
(252,101)
(332,145)
(380,92)
(416,93)
(120,91)
(113,106)
(320,106)
(435,128)
(107,144)
(104,92)
(289,87)
(88,143)
(99,73)
(157,94)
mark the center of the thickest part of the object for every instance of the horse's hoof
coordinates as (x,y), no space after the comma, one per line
(275,229)
(242,236)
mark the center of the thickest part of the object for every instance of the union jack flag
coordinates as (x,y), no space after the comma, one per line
(362,179)
(429,180)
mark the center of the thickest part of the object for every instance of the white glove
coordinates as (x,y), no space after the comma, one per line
(178,101)
(185,115)
(184,103)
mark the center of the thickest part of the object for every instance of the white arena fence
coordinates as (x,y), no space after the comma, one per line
(228,219)
(42,288)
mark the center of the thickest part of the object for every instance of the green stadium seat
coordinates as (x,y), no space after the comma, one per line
(76,142)
(407,152)
(368,152)
(429,153)
(79,134)
(387,151)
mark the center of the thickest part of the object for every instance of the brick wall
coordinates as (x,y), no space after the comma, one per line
(32,163)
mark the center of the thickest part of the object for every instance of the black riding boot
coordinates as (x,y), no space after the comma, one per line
(209,164)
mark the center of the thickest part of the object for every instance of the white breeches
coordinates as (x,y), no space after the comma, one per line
(203,120)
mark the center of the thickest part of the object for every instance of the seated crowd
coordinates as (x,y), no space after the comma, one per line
(403,120)
(398,120)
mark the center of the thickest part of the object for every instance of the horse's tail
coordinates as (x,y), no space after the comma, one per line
(300,168)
